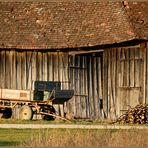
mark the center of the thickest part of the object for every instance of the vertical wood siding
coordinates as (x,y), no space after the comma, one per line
(86,79)
(125,79)
(120,78)
(18,70)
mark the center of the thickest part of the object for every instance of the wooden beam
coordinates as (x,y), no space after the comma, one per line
(84,52)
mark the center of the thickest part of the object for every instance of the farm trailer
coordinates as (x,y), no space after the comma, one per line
(37,101)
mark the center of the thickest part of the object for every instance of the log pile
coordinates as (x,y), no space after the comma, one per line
(136,115)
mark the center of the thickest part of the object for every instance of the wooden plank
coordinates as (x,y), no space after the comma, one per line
(92,111)
(105,80)
(128,68)
(18,67)
(137,67)
(62,78)
(50,66)
(125,68)
(146,71)
(44,65)
(113,82)
(29,69)
(116,81)
(61,109)
(109,86)
(56,67)
(11,69)
(37,67)
(112,102)
(83,98)
(3,69)
(127,76)
(40,68)
(141,75)
(34,68)
(64,71)
(132,69)
(7,69)
(23,70)
(86,88)
(54,77)
(122,63)
(95,96)
(99,86)
(65,60)
(47,66)
(100,78)
(118,93)
(72,79)
(14,71)
(78,87)
(60,70)
(84,52)
(61,106)
(75,81)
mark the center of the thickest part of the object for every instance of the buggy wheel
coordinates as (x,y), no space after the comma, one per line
(48,109)
(6,113)
(26,113)
(48,117)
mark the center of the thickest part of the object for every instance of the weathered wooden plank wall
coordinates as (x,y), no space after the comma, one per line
(125,79)
(19,69)
(121,80)
(86,80)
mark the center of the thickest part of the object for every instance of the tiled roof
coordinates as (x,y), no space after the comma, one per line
(138,15)
(53,25)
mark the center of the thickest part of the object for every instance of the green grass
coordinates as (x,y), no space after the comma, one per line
(72,138)
(58,121)
(12,137)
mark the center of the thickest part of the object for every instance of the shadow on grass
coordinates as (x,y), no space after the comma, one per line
(9,143)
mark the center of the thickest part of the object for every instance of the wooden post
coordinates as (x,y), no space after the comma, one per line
(145,75)
(105,84)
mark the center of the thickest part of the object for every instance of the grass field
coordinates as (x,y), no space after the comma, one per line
(72,138)
(12,137)
(16,121)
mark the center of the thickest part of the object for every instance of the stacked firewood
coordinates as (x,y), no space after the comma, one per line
(136,115)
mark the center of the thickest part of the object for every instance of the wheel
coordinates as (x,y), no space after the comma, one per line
(48,109)
(48,117)
(6,113)
(26,113)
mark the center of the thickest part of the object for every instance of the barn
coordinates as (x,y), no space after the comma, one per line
(97,48)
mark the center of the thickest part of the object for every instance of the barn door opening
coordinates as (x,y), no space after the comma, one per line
(85,75)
